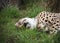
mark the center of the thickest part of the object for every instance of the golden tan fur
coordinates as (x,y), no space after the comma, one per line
(49,21)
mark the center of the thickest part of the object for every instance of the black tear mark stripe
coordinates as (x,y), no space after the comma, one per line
(25,24)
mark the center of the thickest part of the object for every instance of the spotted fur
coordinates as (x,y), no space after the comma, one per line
(48,21)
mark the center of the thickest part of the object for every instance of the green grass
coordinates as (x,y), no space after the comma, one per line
(10,34)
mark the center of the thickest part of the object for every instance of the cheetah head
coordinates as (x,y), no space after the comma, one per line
(27,22)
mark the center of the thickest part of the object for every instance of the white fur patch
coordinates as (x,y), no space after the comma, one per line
(32,22)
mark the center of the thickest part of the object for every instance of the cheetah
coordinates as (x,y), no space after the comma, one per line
(45,21)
